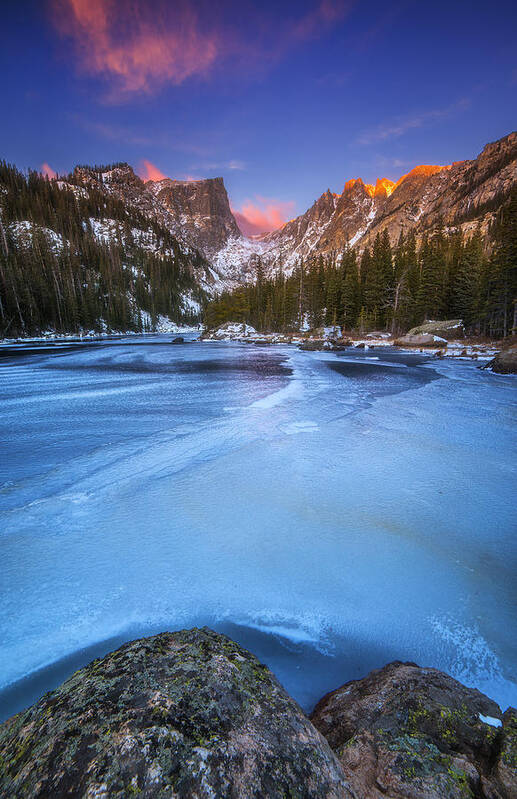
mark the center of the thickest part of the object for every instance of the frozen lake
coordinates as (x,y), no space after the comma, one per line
(331,512)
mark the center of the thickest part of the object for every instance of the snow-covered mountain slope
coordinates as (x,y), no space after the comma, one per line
(460,195)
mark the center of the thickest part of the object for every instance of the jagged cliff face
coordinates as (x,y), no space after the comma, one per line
(200,208)
(461,195)
(197,210)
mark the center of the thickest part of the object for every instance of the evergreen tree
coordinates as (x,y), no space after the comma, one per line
(55,273)
(500,309)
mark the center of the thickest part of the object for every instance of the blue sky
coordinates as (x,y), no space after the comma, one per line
(283,99)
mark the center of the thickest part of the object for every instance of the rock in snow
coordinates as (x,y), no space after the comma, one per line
(447,329)
(192,714)
(230,331)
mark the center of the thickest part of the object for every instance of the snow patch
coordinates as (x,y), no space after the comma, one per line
(490,720)
(24,232)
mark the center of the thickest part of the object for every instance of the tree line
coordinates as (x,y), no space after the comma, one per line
(57,273)
(390,288)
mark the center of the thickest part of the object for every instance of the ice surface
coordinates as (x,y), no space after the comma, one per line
(329,511)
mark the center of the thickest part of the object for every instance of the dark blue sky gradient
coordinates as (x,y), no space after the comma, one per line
(284,112)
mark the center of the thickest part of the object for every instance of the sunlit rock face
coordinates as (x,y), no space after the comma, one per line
(461,195)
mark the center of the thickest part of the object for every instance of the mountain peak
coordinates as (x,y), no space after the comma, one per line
(352,183)
(384,187)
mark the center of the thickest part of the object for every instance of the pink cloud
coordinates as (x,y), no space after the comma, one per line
(263,215)
(148,171)
(47,170)
(138,45)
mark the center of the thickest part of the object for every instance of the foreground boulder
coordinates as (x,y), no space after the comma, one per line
(446,328)
(505,362)
(406,732)
(186,714)
(420,340)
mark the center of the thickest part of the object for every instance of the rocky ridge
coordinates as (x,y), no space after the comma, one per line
(461,196)
(196,212)
(192,714)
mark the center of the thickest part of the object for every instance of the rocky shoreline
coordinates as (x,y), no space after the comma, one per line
(192,714)
(438,339)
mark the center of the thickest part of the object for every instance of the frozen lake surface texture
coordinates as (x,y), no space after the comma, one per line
(331,512)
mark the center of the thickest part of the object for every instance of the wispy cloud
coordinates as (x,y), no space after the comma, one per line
(235,165)
(47,170)
(262,215)
(324,15)
(140,46)
(179,142)
(385,163)
(398,127)
(147,171)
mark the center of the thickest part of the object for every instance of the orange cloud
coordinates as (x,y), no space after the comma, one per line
(47,170)
(139,45)
(263,215)
(148,171)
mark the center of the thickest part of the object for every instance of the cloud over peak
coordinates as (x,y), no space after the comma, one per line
(148,171)
(47,171)
(262,215)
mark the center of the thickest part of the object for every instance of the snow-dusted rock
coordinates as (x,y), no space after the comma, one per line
(229,331)
(420,340)
(445,329)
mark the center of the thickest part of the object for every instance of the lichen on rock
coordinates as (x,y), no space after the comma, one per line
(185,714)
(407,732)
